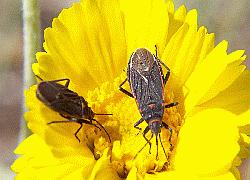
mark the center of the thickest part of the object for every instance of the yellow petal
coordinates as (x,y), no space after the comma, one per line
(226,176)
(176,19)
(207,143)
(38,162)
(44,61)
(231,73)
(205,75)
(132,175)
(244,121)
(110,11)
(146,24)
(235,98)
(76,44)
(175,175)
(103,169)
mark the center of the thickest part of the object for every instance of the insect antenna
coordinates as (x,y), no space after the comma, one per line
(144,146)
(156,138)
(102,114)
(102,128)
(162,146)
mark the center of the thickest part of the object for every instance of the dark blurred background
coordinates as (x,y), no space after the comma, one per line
(229,20)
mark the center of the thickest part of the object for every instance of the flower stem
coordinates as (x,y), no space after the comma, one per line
(31,35)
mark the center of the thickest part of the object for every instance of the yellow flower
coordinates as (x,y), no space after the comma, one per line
(90,43)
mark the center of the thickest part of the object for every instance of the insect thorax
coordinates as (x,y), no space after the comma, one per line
(142,60)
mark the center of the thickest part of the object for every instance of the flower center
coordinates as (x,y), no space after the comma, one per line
(129,146)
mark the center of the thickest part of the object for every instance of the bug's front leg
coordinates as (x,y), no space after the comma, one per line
(138,123)
(170,130)
(148,141)
(83,121)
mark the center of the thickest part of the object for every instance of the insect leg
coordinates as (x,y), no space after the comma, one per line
(124,90)
(82,105)
(162,146)
(83,121)
(39,77)
(69,121)
(165,79)
(65,79)
(53,122)
(138,123)
(170,130)
(156,139)
(78,131)
(171,105)
(58,80)
(148,141)
(87,121)
(156,54)
(79,121)
(103,129)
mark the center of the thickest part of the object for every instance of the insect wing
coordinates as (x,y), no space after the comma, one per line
(59,98)
(146,86)
(146,90)
(70,107)
(47,92)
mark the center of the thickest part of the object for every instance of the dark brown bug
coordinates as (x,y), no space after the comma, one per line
(67,103)
(146,80)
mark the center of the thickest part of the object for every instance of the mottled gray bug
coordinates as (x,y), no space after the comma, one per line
(67,103)
(146,80)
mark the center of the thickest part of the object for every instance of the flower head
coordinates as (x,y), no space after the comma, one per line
(90,43)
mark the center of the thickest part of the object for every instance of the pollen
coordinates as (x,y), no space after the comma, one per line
(127,141)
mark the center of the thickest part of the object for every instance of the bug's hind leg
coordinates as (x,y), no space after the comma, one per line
(165,79)
(59,80)
(39,77)
(124,90)
(171,105)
